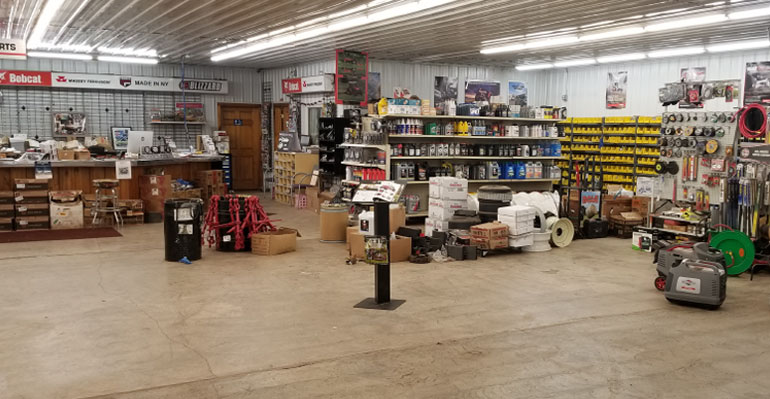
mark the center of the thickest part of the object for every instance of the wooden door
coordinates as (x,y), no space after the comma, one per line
(243,124)
(280,121)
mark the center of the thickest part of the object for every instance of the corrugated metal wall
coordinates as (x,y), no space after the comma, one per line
(244,83)
(418,78)
(585,86)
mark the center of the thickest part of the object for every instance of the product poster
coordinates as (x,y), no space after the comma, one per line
(590,201)
(43,170)
(517,93)
(120,138)
(757,86)
(352,70)
(444,88)
(69,124)
(401,92)
(123,169)
(374,89)
(617,89)
(476,90)
(693,75)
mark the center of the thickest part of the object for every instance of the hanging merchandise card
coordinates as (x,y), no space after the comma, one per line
(123,169)
(43,170)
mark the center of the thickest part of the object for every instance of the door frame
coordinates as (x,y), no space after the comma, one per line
(220,105)
(272,122)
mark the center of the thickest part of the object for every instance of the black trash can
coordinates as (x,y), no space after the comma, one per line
(182,229)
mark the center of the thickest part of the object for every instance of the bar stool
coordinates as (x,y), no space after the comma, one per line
(107,201)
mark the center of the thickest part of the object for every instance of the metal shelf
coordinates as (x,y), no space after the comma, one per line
(679,219)
(501,181)
(365,165)
(463,117)
(423,214)
(475,158)
(383,147)
(432,136)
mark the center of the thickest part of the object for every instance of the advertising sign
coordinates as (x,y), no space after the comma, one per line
(13,49)
(352,75)
(309,84)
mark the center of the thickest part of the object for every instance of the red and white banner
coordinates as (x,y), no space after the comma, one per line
(309,84)
(13,49)
(111,82)
(25,78)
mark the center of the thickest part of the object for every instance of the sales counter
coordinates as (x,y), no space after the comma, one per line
(79,175)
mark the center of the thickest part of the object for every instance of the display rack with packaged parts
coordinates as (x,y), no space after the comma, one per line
(481,149)
(331,133)
(293,171)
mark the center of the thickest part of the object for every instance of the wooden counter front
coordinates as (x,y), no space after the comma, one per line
(79,175)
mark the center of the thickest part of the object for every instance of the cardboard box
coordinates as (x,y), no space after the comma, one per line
(432,225)
(32,223)
(23,210)
(641,205)
(615,206)
(6,197)
(6,224)
(397,217)
(31,184)
(210,178)
(351,230)
(7,211)
(31,197)
(65,155)
(444,209)
(66,215)
(448,188)
(187,194)
(400,248)
(154,190)
(490,231)
(313,201)
(274,242)
(490,243)
(641,241)
(82,155)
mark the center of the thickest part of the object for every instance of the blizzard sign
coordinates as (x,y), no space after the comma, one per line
(111,82)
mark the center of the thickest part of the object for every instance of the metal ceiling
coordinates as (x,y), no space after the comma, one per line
(450,33)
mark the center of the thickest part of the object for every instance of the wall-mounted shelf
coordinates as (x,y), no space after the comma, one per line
(364,165)
(468,117)
(436,136)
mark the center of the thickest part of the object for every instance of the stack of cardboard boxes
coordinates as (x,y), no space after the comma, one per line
(7,210)
(132,211)
(211,182)
(447,195)
(31,204)
(154,190)
(66,210)
(521,224)
(490,235)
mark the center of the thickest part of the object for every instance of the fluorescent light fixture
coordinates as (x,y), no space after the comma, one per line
(349,11)
(126,60)
(747,45)
(502,39)
(612,33)
(558,41)
(279,31)
(674,52)
(310,22)
(678,10)
(503,49)
(621,58)
(293,35)
(548,32)
(571,63)
(130,51)
(376,3)
(595,24)
(75,48)
(759,12)
(532,67)
(227,46)
(685,23)
(43,20)
(66,56)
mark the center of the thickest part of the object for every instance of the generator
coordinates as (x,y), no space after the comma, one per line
(697,282)
(692,273)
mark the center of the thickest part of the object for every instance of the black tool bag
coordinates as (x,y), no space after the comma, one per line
(596,228)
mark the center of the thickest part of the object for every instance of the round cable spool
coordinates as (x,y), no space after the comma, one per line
(677,142)
(698,131)
(753,121)
(562,233)
(701,147)
(688,131)
(720,132)
(704,117)
(660,167)
(678,152)
(672,168)
(737,249)
(672,118)
(692,142)
(670,131)
(670,153)
(715,118)
(712,146)
(709,131)
(680,118)
(663,142)
(679,131)
(722,118)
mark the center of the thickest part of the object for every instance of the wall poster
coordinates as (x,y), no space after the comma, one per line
(352,69)
(617,89)
(477,90)
(757,86)
(374,87)
(517,93)
(693,75)
(444,88)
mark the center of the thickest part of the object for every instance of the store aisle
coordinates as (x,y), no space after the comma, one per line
(110,317)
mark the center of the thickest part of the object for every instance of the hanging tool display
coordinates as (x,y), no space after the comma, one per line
(752,123)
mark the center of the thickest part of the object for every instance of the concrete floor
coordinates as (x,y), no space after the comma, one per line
(109,318)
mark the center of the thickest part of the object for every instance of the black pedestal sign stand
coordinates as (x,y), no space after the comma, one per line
(381,300)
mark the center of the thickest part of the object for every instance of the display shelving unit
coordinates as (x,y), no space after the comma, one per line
(292,171)
(625,148)
(421,187)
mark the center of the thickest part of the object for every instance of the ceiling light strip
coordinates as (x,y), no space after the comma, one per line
(127,60)
(66,56)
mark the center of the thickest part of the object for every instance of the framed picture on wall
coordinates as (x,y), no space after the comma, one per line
(120,137)
(69,124)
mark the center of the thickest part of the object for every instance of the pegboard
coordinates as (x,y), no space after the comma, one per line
(30,111)
(678,131)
